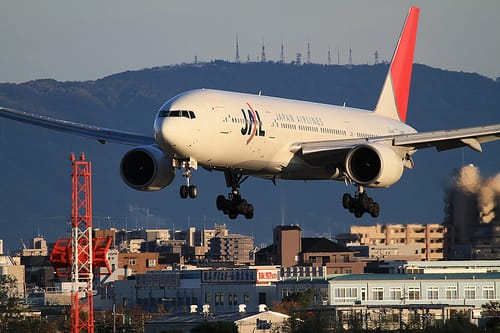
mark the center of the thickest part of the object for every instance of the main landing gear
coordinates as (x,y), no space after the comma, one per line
(188,189)
(361,203)
(234,204)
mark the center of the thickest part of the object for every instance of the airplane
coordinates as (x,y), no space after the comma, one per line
(246,135)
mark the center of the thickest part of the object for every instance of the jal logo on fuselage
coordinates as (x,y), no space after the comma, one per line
(253,124)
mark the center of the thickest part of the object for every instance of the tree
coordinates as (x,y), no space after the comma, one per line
(294,301)
(12,318)
(491,310)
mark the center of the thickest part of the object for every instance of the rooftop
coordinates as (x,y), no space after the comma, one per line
(321,245)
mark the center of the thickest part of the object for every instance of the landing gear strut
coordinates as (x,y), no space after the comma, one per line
(188,189)
(234,204)
(361,203)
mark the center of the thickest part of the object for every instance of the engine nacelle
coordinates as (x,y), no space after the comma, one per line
(147,168)
(374,165)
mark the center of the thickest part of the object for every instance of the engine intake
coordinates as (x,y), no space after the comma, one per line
(374,165)
(147,168)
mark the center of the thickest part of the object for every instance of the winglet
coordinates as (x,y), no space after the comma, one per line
(393,100)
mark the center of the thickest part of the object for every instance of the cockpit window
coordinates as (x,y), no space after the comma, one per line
(177,113)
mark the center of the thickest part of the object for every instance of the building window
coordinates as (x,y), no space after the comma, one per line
(363,294)
(246,297)
(489,292)
(208,298)
(413,293)
(451,292)
(131,262)
(378,293)
(345,295)
(395,294)
(151,263)
(470,292)
(433,293)
(217,298)
(230,298)
(235,298)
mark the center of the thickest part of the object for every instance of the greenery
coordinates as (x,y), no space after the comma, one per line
(14,317)
(492,311)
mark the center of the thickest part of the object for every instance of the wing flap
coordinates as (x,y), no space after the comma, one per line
(450,139)
(94,132)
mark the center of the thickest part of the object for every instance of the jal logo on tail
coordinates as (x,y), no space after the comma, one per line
(253,124)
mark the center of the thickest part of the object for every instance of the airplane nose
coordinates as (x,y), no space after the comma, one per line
(166,132)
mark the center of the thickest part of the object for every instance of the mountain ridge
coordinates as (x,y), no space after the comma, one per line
(36,167)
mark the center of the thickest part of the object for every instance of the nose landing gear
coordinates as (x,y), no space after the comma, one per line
(361,203)
(188,189)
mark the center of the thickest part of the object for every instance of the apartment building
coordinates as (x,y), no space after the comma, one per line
(234,248)
(426,240)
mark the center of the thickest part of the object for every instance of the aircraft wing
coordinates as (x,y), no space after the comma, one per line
(450,139)
(319,151)
(101,134)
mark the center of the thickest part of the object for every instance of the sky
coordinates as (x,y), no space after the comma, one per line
(88,40)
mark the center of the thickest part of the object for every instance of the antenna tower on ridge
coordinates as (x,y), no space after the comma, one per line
(263,54)
(308,52)
(350,53)
(237,58)
(282,55)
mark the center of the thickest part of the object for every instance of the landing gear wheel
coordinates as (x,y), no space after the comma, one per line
(358,213)
(249,213)
(361,203)
(183,191)
(346,200)
(193,191)
(375,210)
(234,204)
(221,200)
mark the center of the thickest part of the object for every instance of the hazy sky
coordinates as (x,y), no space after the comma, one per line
(87,40)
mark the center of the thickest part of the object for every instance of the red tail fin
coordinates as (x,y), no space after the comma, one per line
(393,100)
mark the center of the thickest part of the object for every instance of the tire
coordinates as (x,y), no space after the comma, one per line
(358,213)
(346,200)
(183,191)
(375,211)
(249,213)
(364,200)
(233,216)
(193,191)
(221,200)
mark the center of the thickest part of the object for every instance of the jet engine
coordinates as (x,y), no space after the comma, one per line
(147,168)
(374,165)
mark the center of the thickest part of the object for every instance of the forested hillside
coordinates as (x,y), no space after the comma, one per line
(35,168)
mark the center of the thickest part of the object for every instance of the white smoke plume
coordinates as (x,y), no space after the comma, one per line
(469,179)
(487,190)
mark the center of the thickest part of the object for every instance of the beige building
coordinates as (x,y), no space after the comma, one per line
(38,248)
(427,240)
(10,266)
(234,248)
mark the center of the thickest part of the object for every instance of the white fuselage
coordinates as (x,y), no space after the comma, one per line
(256,134)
